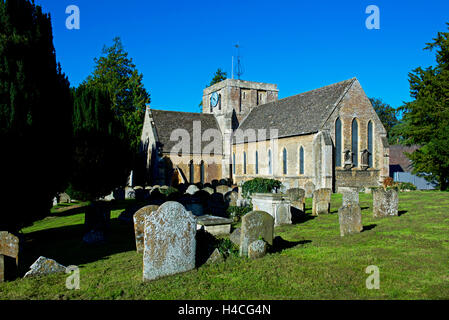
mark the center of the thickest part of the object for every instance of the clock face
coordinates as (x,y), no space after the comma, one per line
(214,99)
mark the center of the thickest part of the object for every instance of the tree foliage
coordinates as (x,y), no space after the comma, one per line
(101,153)
(388,116)
(35,115)
(115,72)
(219,76)
(426,118)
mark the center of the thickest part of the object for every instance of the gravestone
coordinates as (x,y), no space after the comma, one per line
(321,201)
(235,237)
(208,190)
(350,219)
(64,198)
(255,224)
(130,193)
(231,198)
(214,225)
(297,197)
(222,189)
(385,203)
(257,249)
(192,189)
(309,188)
(96,222)
(139,224)
(350,195)
(169,241)
(9,248)
(44,266)
(276,204)
(216,205)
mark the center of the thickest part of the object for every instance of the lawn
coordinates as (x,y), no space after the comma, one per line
(411,252)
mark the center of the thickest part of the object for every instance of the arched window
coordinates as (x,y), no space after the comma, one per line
(301,160)
(202,172)
(244,162)
(355,143)
(257,162)
(233,163)
(338,151)
(284,161)
(192,171)
(370,144)
(270,166)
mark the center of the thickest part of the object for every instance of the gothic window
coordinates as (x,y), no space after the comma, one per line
(257,162)
(270,165)
(202,172)
(355,143)
(370,144)
(192,171)
(244,162)
(301,160)
(233,163)
(338,151)
(284,161)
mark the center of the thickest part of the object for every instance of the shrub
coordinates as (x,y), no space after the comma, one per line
(406,186)
(168,191)
(388,182)
(236,213)
(227,248)
(259,185)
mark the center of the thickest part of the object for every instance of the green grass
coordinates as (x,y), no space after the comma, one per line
(411,251)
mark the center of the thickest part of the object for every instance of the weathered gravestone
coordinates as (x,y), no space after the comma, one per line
(9,247)
(257,249)
(309,188)
(64,198)
(350,219)
(192,189)
(130,193)
(222,189)
(139,224)
(96,222)
(255,224)
(235,237)
(350,195)
(169,240)
(231,198)
(208,190)
(385,203)
(297,197)
(321,201)
(216,205)
(44,266)
(276,204)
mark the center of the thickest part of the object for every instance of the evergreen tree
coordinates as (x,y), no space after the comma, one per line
(35,115)
(426,118)
(388,116)
(101,153)
(219,76)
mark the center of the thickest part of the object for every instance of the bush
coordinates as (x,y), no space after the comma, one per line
(168,191)
(236,213)
(259,185)
(227,248)
(388,182)
(406,186)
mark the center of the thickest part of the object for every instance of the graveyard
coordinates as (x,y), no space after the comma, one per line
(308,259)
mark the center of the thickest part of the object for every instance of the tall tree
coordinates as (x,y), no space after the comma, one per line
(388,116)
(116,72)
(426,118)
(101,155)
(35,115)
(219,76)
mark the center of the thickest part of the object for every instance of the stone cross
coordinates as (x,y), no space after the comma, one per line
(169,241)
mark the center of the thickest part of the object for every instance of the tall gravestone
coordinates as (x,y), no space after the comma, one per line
(350,219)
(385,203)
(139,224)
(350,195)
(169,240)
(9,247)
(297,197)
(309,188)
(321,201)
(255,224)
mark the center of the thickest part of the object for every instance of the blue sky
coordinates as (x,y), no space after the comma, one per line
(299,45)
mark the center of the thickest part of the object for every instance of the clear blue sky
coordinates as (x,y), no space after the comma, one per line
(299,45)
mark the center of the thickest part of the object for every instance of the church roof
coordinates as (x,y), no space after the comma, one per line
(166,122)
(301,114)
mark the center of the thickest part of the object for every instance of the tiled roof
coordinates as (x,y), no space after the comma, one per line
(399,159)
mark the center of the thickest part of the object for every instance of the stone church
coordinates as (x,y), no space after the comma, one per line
(330,136)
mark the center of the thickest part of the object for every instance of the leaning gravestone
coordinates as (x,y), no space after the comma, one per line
(350,218)
(192,189)
(139,224)
(350,195)
(321,201)
(9,247)
(297,197)
(309,188)
(255,224)
(169,241)
(385,203)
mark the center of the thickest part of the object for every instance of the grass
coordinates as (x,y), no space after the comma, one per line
(411,252)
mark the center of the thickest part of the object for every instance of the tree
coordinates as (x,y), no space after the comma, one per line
(219,76)
(101,153)
(117,74)
(426,118)
(388,116)
(35,115)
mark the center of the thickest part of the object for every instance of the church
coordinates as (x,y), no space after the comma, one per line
(330,137)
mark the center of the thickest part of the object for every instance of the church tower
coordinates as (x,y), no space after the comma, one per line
(230,101)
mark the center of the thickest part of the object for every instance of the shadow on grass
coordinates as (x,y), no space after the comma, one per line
(298,216)
(364,208)
(280,244)
(65,245)
(400,213)
(369,227)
